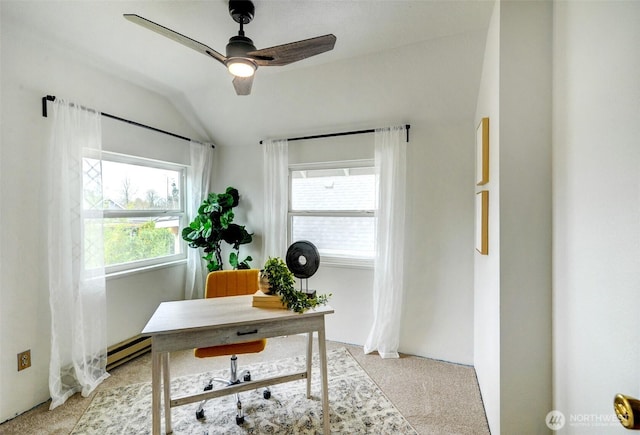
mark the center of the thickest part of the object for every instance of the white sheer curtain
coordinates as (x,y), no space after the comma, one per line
(199,180)
(390,163)
(75,254)
(276,197)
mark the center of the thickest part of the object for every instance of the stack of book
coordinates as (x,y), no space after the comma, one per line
(261,300)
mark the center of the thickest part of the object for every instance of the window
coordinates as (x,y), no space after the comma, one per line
(143,209)
(332,206)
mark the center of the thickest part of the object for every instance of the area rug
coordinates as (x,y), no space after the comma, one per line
(357,405)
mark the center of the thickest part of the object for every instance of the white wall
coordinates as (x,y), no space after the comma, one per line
(32,68)
(525,214)
(515,371)
(486,344)
(437,320)
(438,308)
(596,200)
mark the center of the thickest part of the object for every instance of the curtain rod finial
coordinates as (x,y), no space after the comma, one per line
(44,104)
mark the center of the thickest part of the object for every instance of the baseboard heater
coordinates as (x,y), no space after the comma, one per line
(127,350)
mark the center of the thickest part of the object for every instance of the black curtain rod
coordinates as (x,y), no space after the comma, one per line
(344,133)
(117,118)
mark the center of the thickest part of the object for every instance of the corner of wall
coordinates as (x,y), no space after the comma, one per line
(487,267)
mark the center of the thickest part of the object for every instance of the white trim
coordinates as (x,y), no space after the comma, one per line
(333,213)
(349,263)
(129,159)
(141,269)
(360,163)
(142,264)
(113,214)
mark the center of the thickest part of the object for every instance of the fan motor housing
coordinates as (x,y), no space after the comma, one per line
(242,11)
(239,46)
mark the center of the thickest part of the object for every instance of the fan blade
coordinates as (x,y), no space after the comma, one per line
(243,85)
(292,52)
(178,37)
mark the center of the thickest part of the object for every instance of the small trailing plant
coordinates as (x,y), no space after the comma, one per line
(214,225)
(281,282)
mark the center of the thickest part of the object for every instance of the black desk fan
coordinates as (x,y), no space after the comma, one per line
(303,260)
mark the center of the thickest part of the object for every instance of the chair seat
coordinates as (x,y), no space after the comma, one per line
(231,349)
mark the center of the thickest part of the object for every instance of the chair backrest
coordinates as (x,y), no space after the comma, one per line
(231,283)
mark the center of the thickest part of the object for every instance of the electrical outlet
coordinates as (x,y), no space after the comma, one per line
(24,360)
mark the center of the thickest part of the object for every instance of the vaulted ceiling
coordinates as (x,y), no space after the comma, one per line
(392,59)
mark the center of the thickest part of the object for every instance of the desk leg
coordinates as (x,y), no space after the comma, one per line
(166,384)
(155,391)
(309,359)
(322,347)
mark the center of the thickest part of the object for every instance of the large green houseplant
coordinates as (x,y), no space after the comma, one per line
(281,282)
(214,225)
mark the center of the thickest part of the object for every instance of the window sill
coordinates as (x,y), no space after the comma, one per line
(348,263)
(128,272)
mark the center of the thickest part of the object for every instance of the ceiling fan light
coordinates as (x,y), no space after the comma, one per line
(241,67)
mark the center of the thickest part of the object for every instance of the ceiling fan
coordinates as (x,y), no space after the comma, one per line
(242,58)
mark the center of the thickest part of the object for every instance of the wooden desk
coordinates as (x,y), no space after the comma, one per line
(194,323)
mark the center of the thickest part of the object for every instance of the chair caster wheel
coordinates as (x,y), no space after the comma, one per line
(239,420)
(200,414)
(266,394)
(247,377)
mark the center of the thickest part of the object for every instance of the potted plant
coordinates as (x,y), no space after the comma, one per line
(214,225)
(281,282)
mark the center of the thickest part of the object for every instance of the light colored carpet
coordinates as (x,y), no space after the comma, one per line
(357,404)
(434,396)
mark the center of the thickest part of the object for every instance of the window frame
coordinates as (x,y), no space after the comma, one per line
(163,261)
(330,260)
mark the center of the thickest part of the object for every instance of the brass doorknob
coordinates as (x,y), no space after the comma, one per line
(628,411)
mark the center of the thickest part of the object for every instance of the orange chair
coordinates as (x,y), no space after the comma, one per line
(231,283)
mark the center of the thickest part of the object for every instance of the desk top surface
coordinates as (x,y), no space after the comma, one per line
(196,314)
